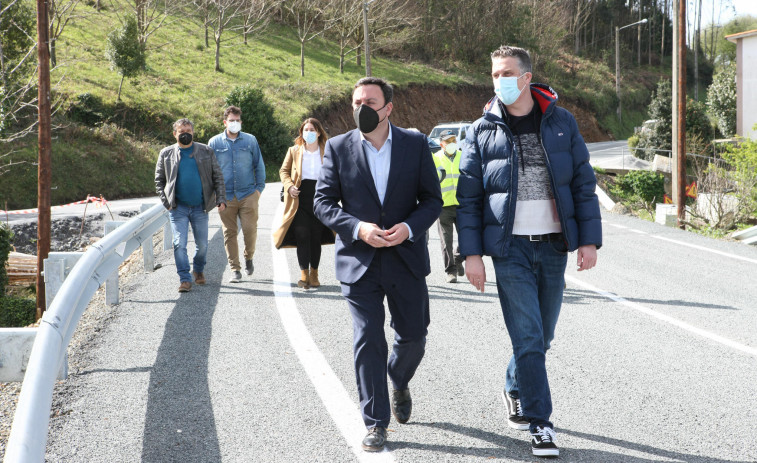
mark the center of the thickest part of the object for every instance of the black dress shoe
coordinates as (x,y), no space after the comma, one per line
(402,405)
(375,439)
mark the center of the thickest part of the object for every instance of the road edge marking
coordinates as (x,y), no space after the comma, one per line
(666,318)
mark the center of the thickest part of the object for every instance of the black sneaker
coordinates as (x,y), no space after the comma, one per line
(515,417)
(248,267)
(236,277)
(543,442)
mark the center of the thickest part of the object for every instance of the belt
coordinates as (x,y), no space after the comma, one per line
(541,238)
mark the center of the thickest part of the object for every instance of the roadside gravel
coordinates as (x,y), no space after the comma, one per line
(94,319)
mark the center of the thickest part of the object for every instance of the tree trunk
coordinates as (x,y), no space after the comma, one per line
(650,32)
(51,32)
(218,52)
(357,58)
(341,55)
(638,35)
(3,77)
(118,98)
(302,58)
(696,52)
(662,40)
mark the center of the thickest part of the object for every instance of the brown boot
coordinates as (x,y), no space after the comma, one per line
(313,278)
(303,283)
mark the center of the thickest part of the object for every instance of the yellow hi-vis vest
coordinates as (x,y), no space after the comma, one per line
(449,172)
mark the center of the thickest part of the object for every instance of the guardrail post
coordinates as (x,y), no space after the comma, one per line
(167,236)
(54,271)
(148,256)
(57,267)
(111,283)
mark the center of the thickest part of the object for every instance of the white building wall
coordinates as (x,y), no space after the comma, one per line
(748,87)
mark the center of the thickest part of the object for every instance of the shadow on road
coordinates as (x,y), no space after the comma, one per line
(180,425)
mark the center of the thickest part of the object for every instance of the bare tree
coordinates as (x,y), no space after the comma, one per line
(151,15)
(256,14)
(224,12)
(307,17)
(344,22)
(582,14)
(60,12)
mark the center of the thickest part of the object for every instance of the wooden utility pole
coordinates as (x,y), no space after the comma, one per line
(44,170)
(679,116)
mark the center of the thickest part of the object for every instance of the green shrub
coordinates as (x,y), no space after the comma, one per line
(633,141)
(258,119)
(743,172)
(87,109)
(659,135)
(698,125)
(721,99)
(640,185)
(17,312)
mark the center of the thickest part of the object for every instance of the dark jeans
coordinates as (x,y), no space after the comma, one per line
(530,283)
(448,220)
(181,217)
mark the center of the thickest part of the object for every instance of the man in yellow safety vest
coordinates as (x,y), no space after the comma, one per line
(447,161)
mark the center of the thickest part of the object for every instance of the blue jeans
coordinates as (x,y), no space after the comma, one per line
(181,216)
(530,283)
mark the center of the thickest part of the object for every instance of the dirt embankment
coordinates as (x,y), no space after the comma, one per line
(423,107)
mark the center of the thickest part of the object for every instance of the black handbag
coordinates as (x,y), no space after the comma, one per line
(281,195)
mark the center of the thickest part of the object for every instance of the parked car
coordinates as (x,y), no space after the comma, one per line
(432,145)
(458,127)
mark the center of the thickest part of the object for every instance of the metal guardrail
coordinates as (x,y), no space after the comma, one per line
(28,437)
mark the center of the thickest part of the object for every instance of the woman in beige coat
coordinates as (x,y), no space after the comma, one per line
(300,228)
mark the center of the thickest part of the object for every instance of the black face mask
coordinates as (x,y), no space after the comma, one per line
(366,118)
(185,138)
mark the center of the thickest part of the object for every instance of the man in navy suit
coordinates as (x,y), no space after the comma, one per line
(378,190)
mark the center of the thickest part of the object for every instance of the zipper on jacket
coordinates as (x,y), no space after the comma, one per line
(552,177)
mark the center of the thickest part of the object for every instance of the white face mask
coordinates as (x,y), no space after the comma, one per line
(309,136)
(233,126)
(451,148)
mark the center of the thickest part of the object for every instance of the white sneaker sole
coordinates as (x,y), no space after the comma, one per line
(546,452)
(519,427)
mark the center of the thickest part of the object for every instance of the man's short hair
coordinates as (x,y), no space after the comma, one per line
(524,58)
(182,122)
(386,88)
(235,110)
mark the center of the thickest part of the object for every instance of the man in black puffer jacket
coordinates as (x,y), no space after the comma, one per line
(526,197)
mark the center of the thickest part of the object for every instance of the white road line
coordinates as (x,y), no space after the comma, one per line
(702,248)
(666,318)
(342,409)
(695,246)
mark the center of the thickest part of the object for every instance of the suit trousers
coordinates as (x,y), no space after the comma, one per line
(407,297)
(246,210)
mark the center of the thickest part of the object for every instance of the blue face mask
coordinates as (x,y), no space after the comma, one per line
(309,137)
(506,88)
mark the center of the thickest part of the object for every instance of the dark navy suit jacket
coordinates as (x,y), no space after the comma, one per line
(412,196)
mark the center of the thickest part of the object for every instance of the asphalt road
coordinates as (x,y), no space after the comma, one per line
(655,359)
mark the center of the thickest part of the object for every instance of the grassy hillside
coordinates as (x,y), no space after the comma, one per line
(112,149)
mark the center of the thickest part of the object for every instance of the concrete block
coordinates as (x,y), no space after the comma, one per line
(666,214)
(15,349)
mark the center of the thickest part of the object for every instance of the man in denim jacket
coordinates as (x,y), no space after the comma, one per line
(526,197)
(239,155)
